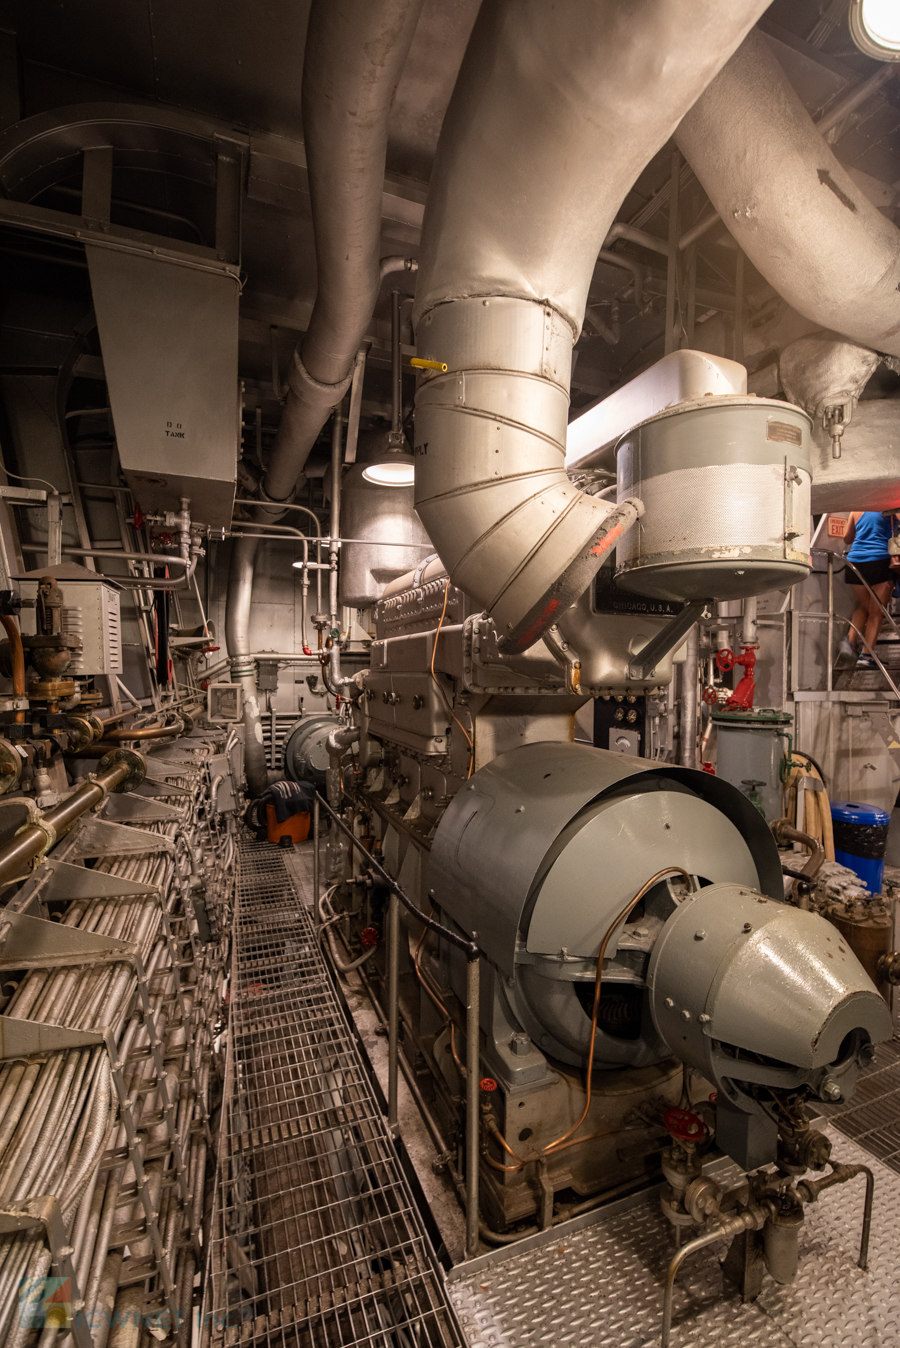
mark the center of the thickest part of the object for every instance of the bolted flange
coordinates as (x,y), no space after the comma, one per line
(136,764)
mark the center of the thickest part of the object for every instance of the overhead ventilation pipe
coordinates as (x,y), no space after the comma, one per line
(796,213)
(355,51)
(547,129)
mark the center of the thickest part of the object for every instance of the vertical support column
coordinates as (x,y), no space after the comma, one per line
(672,272)
(228,203)
(689,679)
(738,331)
(473,1056)
(54,528)
(396,373)
(393,1008)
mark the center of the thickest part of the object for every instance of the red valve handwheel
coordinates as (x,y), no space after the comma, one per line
(710,696)
(725,660)
(369,937)
(487,1084)
(683,1125)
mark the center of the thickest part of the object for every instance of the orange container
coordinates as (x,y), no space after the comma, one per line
(295,827)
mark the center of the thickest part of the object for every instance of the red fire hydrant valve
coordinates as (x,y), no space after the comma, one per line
(742,697)
(683,1125)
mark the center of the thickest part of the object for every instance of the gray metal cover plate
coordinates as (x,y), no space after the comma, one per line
(602,1286)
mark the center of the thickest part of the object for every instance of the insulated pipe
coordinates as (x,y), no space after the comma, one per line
(792,208)
(337,744)
(690,677)
(355,51)
(513,226)
(243,666)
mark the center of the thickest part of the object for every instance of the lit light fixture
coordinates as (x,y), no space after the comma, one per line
(875,28)
(391,470)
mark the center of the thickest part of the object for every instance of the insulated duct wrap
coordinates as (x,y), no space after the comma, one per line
(355,52)
(793,209)
(513,226)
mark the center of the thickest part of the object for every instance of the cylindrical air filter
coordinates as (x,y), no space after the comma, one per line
(725,483)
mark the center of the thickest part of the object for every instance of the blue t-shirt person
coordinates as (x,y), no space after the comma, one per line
(870,538)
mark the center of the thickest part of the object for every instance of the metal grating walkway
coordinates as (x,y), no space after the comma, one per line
(316,1237)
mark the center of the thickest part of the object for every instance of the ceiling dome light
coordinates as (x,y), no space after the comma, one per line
(875,28)
(394,470)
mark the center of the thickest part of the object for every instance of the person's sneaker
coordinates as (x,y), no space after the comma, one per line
(866,662)
(846,656)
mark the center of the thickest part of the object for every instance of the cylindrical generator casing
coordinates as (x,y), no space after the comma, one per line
(539,851)
(725,484)
(305,749)
(750,750)
(385,518)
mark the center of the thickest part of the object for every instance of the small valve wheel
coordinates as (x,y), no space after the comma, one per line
(725,660)
(138,517)
(683,1126)
(487,1084)
(711,696)
(369,937)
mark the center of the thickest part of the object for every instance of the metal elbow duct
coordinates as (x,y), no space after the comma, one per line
(792,208)
(243,666)
(548,127)
(355,51)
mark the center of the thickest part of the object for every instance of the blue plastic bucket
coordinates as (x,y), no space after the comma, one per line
(860,836)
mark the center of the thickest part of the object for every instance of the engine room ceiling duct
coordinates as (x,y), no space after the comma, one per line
(169,337)
(547,129)
(794,210)
(355,51)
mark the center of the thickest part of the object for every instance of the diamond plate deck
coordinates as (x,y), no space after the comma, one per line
(602,1286)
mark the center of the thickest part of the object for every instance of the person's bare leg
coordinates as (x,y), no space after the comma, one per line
(860,616)
(875,615)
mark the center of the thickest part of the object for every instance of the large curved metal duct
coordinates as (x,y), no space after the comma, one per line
(355,51)
(548,127)
(796,213)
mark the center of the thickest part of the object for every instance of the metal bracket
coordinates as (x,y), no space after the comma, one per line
(24,1038)
(68,883)
(35,943)
(643,664)
(45,1212)
(99,839)
(128,808)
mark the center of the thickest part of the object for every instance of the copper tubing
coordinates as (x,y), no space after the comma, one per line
(589,1068)
(32,840)
(17,655)
(154,732)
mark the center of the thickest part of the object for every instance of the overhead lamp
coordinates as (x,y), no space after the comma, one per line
(391,469)
(875,28)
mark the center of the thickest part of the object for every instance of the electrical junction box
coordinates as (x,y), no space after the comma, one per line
(91,611)
(224,702)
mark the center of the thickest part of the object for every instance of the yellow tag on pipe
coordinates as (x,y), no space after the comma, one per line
(418,364)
